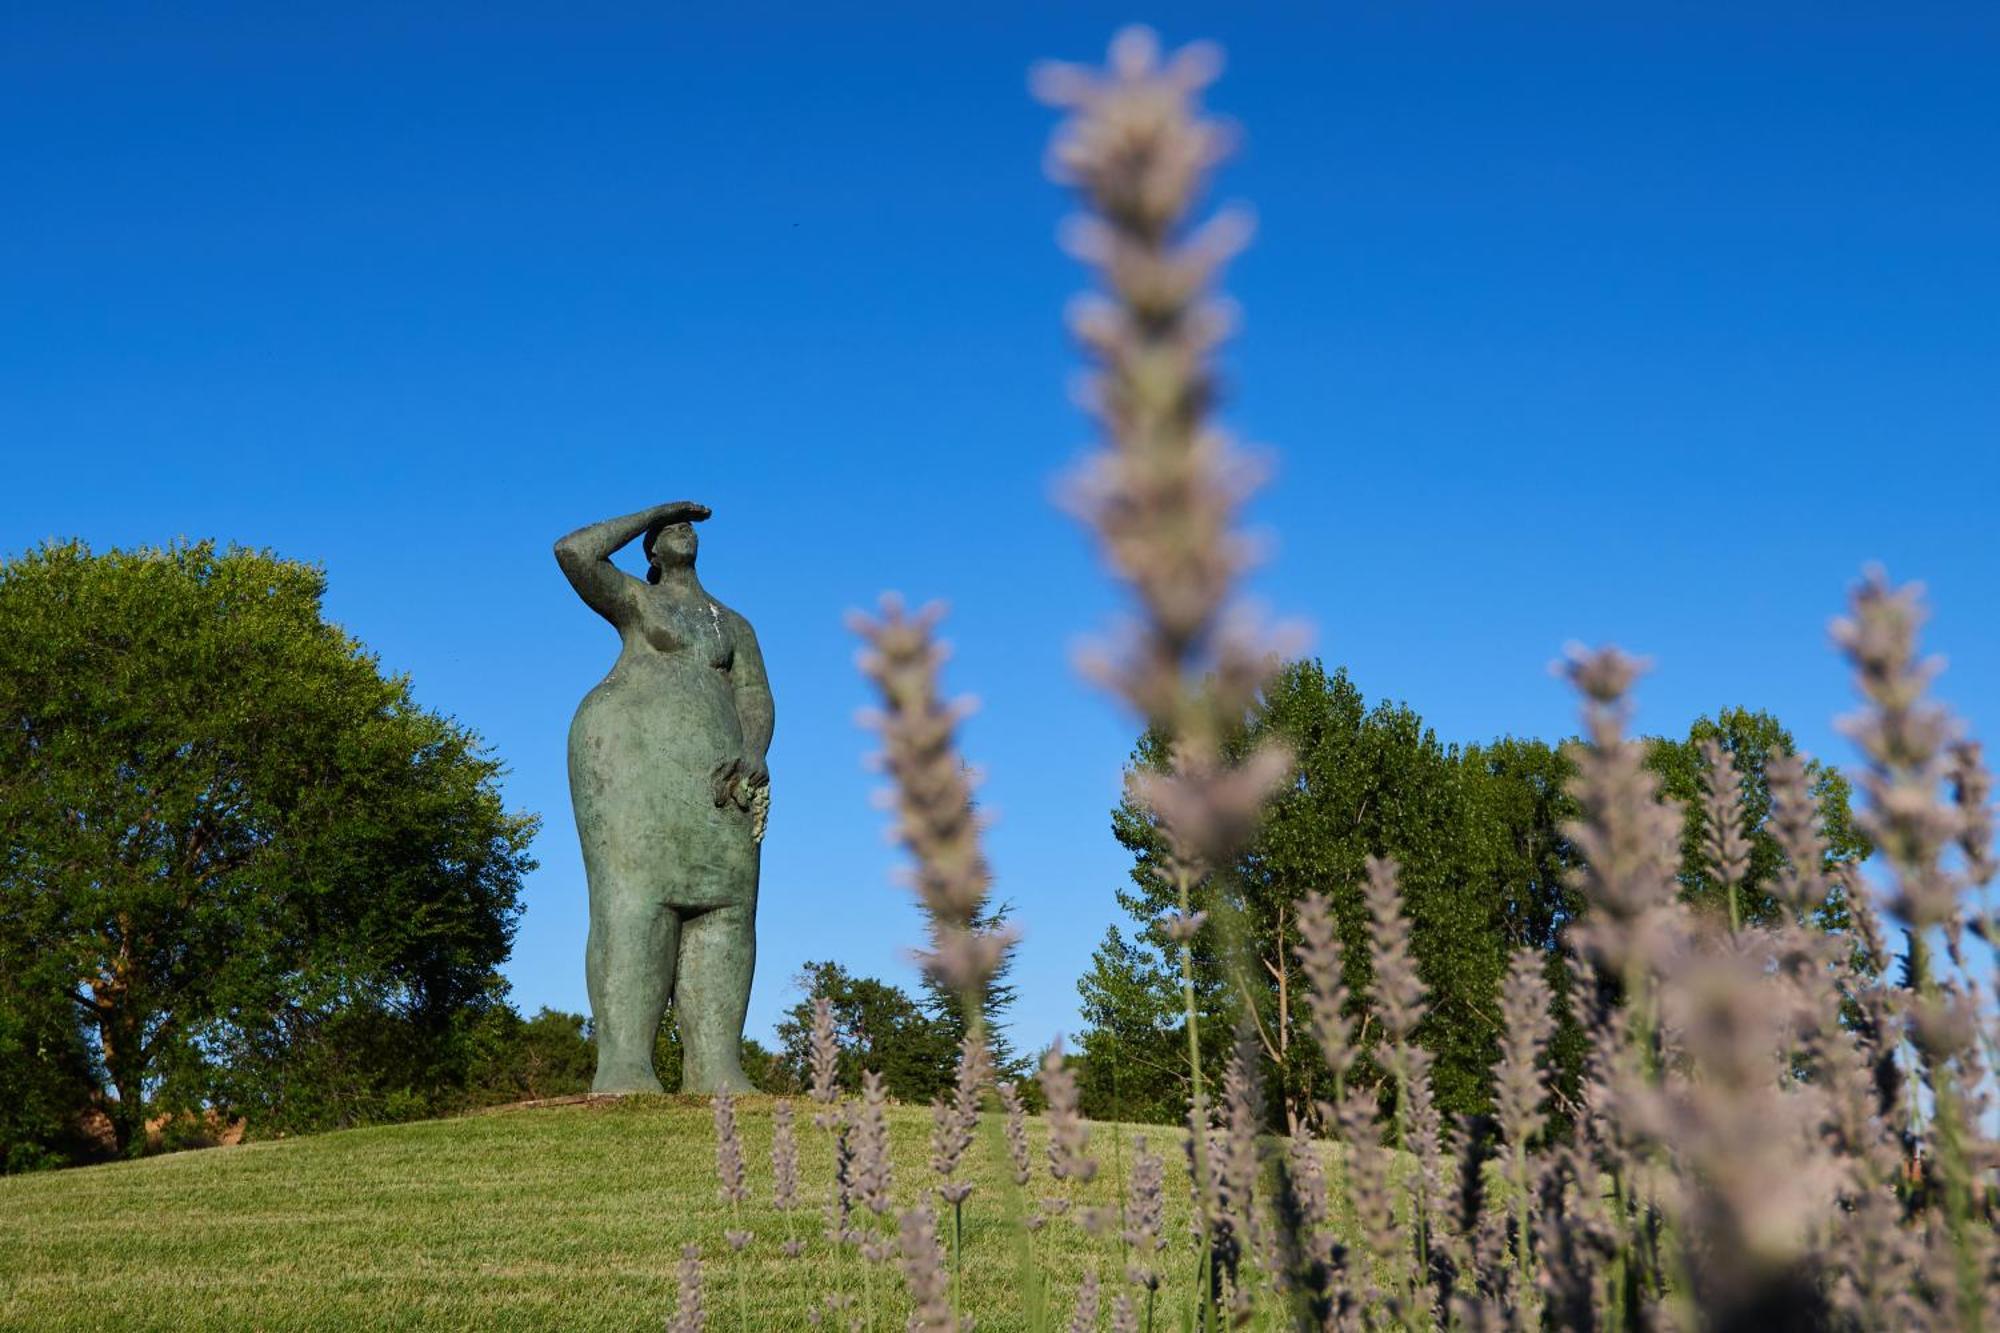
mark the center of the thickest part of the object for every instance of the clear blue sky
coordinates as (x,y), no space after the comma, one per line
(1644,323)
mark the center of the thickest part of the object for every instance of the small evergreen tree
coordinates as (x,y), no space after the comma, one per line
(944,1007)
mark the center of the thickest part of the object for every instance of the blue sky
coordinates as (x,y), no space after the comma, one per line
(1642,323)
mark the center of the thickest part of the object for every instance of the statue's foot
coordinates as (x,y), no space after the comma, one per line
(732,1081)
(616,1082)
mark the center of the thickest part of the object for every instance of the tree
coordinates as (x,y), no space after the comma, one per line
(943,1004)
(46,1073)
(1485,869)
(1134,1063)
(1752,738)
(554,1054)
(516,1059)
(1479,876)
(879,1027)
(762,1067)
(246,859)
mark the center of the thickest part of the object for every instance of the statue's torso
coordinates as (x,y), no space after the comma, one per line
(642,750)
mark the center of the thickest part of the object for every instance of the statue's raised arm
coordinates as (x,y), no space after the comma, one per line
(585,555)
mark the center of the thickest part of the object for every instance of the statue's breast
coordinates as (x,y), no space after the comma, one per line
(673,628)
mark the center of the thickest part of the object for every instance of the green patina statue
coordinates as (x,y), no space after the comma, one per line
(666,769)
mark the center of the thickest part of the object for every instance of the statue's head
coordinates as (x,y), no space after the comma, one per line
(670,547)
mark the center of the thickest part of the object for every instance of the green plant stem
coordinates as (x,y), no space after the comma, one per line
(1616,1272)
(1954,1170)
(1402,1140)
(957,1253)
(839,1223)
(736,1262)
(1197,1101)
(1118,1169)
(868,1285)
(1523,1252)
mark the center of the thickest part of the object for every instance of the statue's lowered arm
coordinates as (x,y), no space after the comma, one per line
(754,709)
(757,716)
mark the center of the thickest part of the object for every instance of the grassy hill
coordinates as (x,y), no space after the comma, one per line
(545,1217)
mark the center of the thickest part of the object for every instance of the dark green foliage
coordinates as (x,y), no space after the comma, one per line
(554,1054)
(255,870)
(1485,867)
(1474,832)
(766,1070)
(945,1007)
(357,1062)
(1134,1045)
(46,1077)
(516,1059)
(1752,737)
(880,1028)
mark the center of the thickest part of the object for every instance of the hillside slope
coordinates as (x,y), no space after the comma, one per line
(556,1217)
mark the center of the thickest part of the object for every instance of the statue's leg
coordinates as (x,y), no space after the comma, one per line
(629,967)
(718,955)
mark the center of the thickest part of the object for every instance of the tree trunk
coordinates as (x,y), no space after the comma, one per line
(118,1033)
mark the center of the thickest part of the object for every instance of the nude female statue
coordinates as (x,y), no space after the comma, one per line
(666,770)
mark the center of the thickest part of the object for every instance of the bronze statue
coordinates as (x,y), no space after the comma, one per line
(666,770)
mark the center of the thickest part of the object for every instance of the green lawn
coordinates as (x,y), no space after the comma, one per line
(557,1217)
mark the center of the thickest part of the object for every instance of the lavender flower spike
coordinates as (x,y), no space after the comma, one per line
(1016,1132)
(931,794)
(1723,839)
(923,1269)
(784,1159)
(825,1051)
(689,1316)
(872,1181)
(1069,1139)
(733,1187)
(1164,493)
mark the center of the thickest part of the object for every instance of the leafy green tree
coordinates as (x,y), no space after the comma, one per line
(1752,738)
(554,1054)
(1485,869)
(1134,1063)
(517,1059)
(1371,781)
(879,1027)
(1521,789)
(46,1077)
(255,869)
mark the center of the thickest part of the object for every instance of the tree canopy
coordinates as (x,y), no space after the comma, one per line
(1751,738)
(1477,831)
(239,865)
(879,1027)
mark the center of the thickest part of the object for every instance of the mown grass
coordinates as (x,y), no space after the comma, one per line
(570,1217)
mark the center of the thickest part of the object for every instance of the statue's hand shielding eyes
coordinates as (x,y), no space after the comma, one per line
(677,511)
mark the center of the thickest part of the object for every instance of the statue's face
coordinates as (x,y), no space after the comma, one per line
(673,546)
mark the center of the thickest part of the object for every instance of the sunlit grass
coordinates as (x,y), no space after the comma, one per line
(569,1217)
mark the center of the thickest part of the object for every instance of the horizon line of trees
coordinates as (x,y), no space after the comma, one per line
(243,874)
